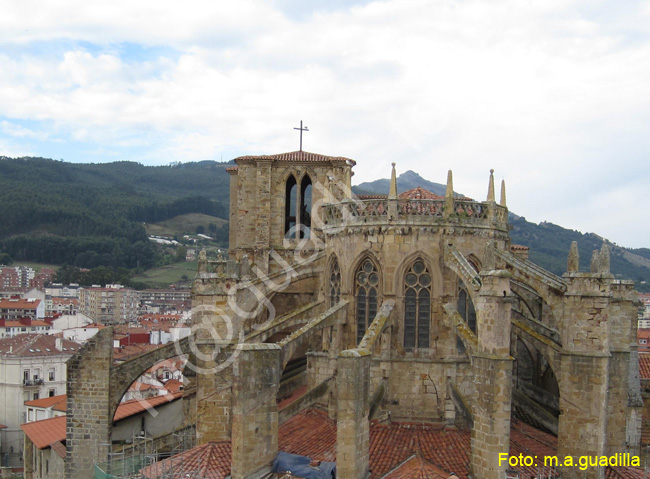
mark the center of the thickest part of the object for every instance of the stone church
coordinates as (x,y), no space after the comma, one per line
(408,308)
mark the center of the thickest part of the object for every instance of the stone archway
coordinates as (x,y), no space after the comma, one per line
(94,389)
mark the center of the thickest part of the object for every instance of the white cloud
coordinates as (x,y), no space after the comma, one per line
(551,94)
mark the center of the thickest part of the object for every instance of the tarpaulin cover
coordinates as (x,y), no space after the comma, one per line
(299,466)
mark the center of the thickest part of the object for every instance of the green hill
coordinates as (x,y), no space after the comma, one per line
(92,214)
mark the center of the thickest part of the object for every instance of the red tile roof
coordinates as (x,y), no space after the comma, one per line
(644,365)
(174,385)
(397,451)
(33,345)
(132,350)
(45,432)
(417,468)
(298,156)
(135,406)
(419,193)
(47,402)
(518,247)
(59,448)
(23,303)
(208,461)
(232,169)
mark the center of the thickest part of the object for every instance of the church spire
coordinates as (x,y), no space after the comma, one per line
(393,184)
(490,195)
(449,193)
(502,200)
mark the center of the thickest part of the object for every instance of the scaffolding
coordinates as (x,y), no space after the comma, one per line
(127,463)
(142,453)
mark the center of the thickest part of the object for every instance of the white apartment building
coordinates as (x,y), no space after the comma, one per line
(32,366)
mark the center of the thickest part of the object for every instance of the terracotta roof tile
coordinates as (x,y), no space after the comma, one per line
(518,247)
(417,468)
(174,385)
(419,193)
(644,365)
(45,432)
(208,461)
(232,169)
(59,448)
(47,402)
(23,303)
(135,406)
(298,156)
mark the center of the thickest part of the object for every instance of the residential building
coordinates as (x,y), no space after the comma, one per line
(32,366)
(113,304)
(45,408)
(59,290)
(156,418)
(13,309)
(9,329)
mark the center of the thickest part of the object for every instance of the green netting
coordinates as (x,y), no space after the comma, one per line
(121,468)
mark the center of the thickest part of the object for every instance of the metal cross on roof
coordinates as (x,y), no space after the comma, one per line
(301,130)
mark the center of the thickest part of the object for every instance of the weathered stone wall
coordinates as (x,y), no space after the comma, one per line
(89,421)
(353,428)
(255,412)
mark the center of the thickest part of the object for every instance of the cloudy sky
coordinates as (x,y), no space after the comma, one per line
(552,94)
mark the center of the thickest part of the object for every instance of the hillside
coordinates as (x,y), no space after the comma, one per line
(549,243)
(91,214)
(406,181)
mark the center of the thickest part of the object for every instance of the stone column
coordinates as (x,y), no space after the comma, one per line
(28,460)
(213,394)
(624,399)
(89,422)
(262,209)
(492,371)
(256,380)
(215,329)
(353,429)
(585,368)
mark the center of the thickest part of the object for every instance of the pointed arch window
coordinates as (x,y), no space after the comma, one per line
(297,207)
(335,283)
(417,307)
(466,306)
(367,290)
(290,206)
(305,207)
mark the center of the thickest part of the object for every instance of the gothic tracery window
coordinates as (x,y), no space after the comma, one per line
(367,288)
(335,283)
(417,307)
